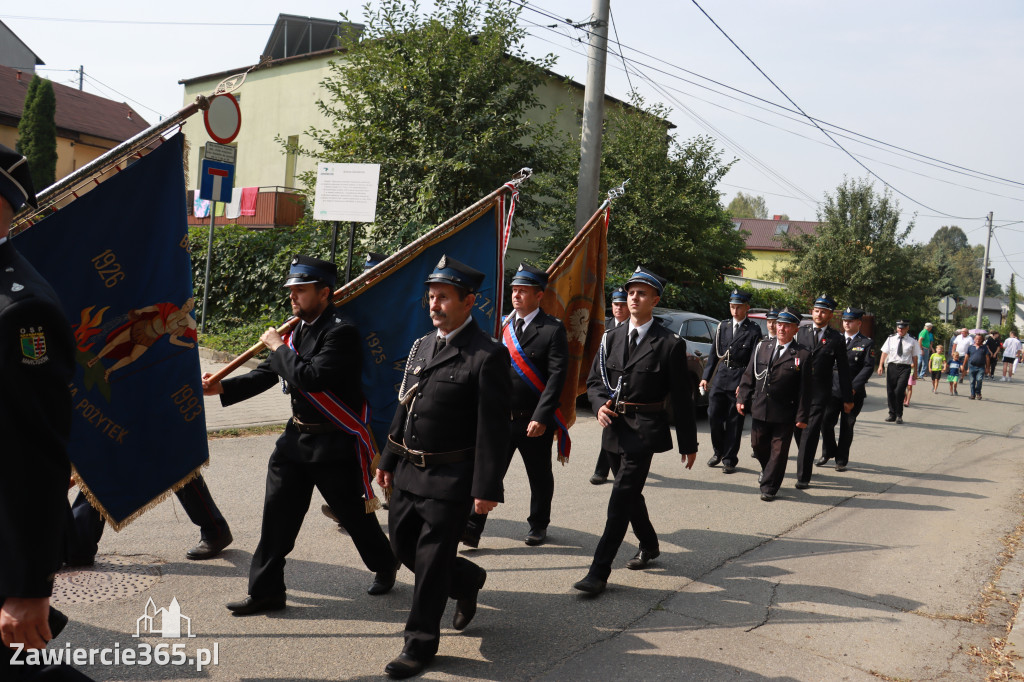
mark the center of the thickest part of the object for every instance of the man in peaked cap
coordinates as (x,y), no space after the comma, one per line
(620,315)
(321,365)
(734,342)
(539,348)
(640,366)
(900,355)
(828,354)
(770,317)
(373,259)
(859,356)
(446,455)
(36,365)
(775,391)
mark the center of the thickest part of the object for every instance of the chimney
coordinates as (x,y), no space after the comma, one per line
(19,74)
(776,217)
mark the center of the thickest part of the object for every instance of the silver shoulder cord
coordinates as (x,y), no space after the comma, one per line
(403,395)
(613,392)
(718,334)
(761,375)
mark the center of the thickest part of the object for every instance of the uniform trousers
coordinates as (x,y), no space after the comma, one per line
(289,490)
(726,424)
(604,463)
(626,507)
(840,450)
(770,442)
(425,535)
(85,525)
(896,378)
(536,454)
(807,441)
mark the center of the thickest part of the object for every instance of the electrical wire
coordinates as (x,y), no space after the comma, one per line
(98,83)
(623,56)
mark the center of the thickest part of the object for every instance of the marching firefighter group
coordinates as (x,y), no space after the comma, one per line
(467,403)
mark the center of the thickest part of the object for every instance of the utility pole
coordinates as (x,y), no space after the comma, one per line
(81,74)
(593,115)
(984,272)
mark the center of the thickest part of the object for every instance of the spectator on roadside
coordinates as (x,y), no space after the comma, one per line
(911,382)
(937,364)
(960,344)
(975,360)
(953,372)
(993,344)
(1011,352)
(926,339)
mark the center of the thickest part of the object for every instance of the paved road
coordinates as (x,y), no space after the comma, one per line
(874,573)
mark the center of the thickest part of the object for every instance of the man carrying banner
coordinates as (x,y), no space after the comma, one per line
(539,348)
(639,367)
(325,442)
(36,366)
(445,457)
(620,315)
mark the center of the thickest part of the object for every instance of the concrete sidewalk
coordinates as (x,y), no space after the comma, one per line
(270,407)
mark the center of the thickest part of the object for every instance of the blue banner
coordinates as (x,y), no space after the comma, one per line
(391,313)
(118,258)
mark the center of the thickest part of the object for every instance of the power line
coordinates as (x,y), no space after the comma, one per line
(615,28)
(93,80)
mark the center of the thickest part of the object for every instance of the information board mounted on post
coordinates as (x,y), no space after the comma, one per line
(346,191)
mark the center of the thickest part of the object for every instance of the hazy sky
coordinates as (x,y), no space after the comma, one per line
(934,77)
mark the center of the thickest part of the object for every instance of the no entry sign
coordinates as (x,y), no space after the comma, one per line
(223,119)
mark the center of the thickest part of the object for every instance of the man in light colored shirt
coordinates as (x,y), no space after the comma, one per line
(1011,351)
(900,355)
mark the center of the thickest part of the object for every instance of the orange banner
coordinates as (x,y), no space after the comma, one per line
(575,294)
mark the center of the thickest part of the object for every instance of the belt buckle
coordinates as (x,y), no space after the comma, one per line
(620,408)
(422,463)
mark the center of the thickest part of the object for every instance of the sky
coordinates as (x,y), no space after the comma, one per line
(935,78)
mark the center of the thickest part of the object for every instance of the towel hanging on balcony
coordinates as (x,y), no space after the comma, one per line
(200,207)
(249,195)
(234,209)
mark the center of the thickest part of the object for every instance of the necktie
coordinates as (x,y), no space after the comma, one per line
(297,335)
(519,328)
(633,335)
(776,356)
(439,344)
(899,349)
(817,336)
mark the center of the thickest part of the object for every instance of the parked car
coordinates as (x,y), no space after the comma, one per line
(699,332)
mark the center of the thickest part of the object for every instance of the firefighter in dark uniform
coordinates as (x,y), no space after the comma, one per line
(445,457)
(620,315)
(545,349)
(770,317)
(322,358)
(775,392)
(639,366)
(730,354)
(37,362)
(859,356)
(828,352)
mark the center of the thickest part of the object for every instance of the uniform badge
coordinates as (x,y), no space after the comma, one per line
(33,346)
(443,263)
(416,372)
(796,362)
(17,287)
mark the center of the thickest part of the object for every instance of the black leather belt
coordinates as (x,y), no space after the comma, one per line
(521,414)
(318,427)
(425,459)
(639,408)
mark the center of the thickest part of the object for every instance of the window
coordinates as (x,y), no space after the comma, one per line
(782,228)
(696,330)
(736,224)
(289,161)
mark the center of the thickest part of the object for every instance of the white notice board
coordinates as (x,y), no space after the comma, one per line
(346,192)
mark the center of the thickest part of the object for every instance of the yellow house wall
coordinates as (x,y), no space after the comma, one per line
(71,154)
(763,263)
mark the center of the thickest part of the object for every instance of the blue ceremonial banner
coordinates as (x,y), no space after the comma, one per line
(118,258)
(391,311)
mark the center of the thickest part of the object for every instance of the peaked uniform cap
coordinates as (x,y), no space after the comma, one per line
(529,276)
(825,301)
(853,314)
(15,179)
(789,315)
(738,296)
(618,295)
(373,259)
(772,314)
(306,269)
(451,271)
(645,276)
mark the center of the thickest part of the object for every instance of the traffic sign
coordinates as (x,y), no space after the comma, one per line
(946,307)
(216,181)
(223,119)
(220,152)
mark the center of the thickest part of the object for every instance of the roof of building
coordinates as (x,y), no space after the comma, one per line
(38,59)
(763,235)
(77,111)
(991,302)
(293,35)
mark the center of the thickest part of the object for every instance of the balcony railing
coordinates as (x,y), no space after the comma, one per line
(276,206)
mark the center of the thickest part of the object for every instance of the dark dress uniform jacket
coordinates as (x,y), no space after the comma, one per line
(545,344)
(35,420)
(783,394)
(329,358)
(858,355)
(462,401)
(827,354)
(656,371)
(739,346)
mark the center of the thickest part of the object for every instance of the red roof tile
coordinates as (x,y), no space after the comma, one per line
(77,111)
(762,233)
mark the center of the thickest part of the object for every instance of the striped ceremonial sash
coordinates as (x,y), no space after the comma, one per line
(528,373)
(342,416)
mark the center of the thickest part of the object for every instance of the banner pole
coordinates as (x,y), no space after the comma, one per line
(209,256)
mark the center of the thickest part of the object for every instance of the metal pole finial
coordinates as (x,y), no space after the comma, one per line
(520,176)
(616,192)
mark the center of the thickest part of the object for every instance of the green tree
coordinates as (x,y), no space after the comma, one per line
(37,132)
(747,206)
(861,257)
(957,264)
(1011,317)
(445,103)
(670,217)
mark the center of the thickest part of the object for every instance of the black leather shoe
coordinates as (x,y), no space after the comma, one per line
(329,513)
(821,461)
(536,536)
(899,420)
(383,581)
(404,666)
(207,549)
(728,469)
(840,467)
(598,479)
(800,485)
(470,540)
(714,461)
(642,558)
(251,605)
(890,418)
(767,497)
(591,585)
(465,608)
